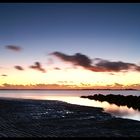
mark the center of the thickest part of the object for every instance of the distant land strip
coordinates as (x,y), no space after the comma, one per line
(62,89)
(120,100)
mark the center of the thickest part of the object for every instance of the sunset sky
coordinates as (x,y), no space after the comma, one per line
(69,45)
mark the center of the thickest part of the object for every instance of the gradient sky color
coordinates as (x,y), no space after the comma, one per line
(107,31)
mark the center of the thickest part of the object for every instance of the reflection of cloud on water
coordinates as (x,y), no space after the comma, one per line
(123,111)
(116,110)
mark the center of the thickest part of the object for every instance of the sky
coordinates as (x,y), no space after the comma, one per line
(69,45)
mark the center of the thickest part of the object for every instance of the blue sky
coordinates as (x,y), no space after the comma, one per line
(93,29)
(107,31)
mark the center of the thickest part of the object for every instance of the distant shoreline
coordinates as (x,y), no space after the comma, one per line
(75,89)
(119,100)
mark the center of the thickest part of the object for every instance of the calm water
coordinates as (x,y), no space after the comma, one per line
(73,97)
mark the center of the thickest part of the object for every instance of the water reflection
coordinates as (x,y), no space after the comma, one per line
(123,111)
(118,111)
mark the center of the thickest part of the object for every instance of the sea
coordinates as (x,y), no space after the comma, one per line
(73,97)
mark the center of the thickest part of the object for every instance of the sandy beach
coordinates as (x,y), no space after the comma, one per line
(45,118)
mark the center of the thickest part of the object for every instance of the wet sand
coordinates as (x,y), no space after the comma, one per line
(36,118)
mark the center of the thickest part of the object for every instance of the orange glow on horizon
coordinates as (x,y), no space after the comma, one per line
(70,79)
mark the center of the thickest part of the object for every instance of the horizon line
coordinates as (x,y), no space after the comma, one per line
(63,89)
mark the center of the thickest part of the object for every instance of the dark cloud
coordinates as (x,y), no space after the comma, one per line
(97,64)
(77,59)
(13,48)
(116,66)
(18,67)
(37,66)
(4,75)
(56,68)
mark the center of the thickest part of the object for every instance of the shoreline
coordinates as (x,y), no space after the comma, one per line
(119,100)
(53,118)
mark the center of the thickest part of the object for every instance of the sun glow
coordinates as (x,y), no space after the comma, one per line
(70,78)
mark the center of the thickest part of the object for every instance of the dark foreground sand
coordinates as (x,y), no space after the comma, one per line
(34,118)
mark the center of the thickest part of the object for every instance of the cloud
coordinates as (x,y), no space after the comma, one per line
(13,48)
(18,67)
(117,84)
(37,66)
(36,86)
(97,64)
(56,68)
(116,66)
(77,59)
(4,75)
